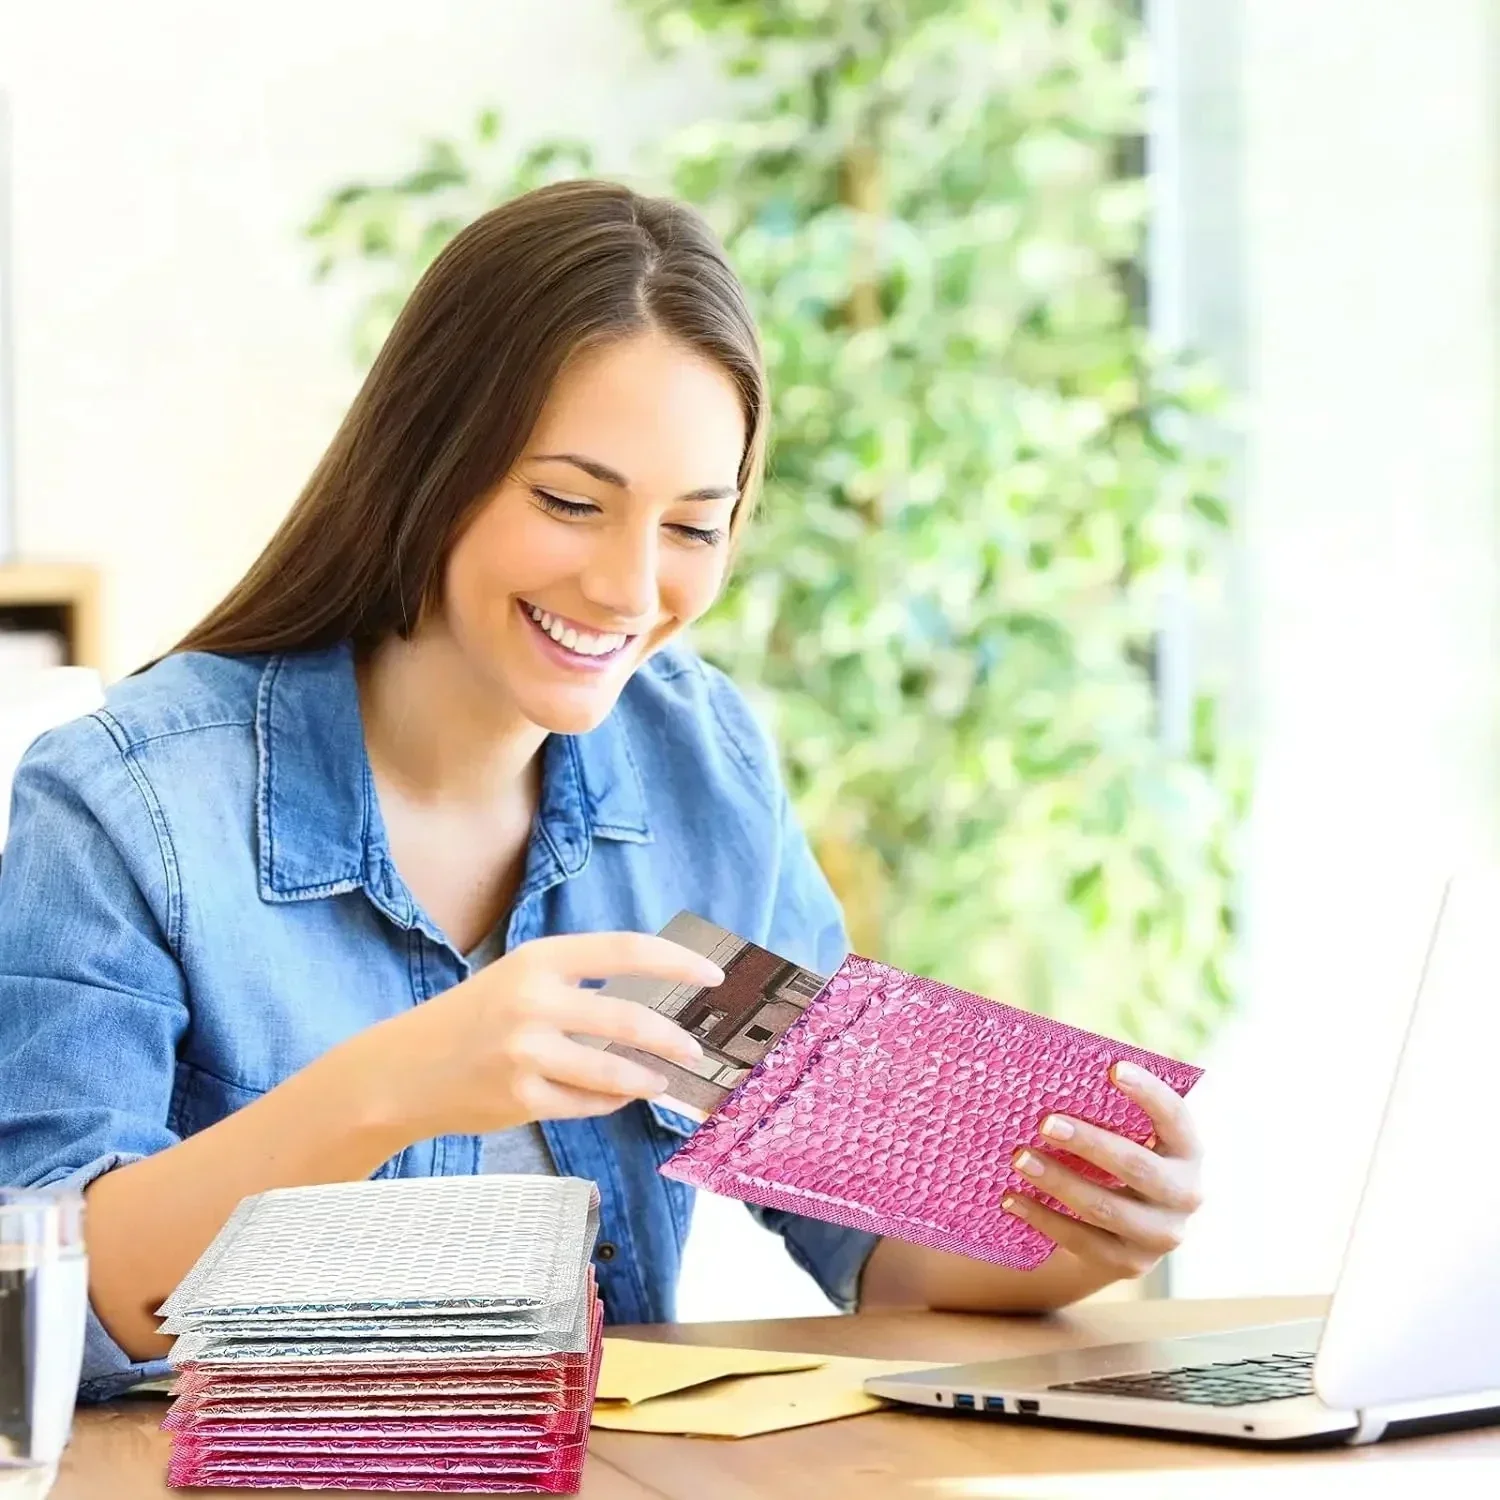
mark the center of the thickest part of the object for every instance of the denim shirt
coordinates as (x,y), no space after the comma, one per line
(197,899)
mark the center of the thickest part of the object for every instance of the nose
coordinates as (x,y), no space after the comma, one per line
(621,576)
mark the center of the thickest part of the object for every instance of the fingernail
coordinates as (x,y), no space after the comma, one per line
(1008,1204)
(1128,1074)
(713,975)
(658,1085)
(1029,1164)
(1058,1128)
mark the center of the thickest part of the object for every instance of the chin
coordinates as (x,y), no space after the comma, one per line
(569,713)
(558,705)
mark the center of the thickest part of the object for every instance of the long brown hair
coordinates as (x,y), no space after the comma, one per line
(454,393)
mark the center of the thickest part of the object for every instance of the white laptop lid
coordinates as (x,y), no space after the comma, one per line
(1417,1311)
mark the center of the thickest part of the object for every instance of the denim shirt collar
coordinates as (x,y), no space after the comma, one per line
(318,820)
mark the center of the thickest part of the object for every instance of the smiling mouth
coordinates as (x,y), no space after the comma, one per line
(585,646)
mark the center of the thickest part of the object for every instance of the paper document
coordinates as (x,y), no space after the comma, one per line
(736,1024)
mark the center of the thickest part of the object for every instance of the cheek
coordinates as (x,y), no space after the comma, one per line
(510,549)
(692,579)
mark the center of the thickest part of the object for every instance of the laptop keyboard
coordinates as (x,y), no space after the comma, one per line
(1242,1382)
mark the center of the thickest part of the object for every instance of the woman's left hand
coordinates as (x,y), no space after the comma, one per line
(1124,1232)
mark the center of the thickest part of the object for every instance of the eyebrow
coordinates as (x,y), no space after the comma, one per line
(606,475)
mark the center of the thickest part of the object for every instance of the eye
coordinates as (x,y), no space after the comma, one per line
(560,507)
(699,536)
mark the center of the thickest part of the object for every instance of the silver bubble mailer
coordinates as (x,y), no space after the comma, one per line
(438,1334)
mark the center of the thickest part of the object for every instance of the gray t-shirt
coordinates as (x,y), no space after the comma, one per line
(523,1148)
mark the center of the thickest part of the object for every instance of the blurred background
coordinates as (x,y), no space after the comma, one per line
(1127,593)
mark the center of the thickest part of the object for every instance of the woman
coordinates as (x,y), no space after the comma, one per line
(313,897)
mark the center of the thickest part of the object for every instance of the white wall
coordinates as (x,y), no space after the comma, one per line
(1371,573)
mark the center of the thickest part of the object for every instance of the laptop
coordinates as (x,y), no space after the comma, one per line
(1411,1342)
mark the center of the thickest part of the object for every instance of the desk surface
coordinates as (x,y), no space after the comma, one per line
(117,1452)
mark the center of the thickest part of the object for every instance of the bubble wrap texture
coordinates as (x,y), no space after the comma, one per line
(395,1246)
(386,1482)
(214,1348)
(349,1369)
(896,1104)
(194,1349)
(363,1447)
(234,1427)
(202,1387)
(281,1411)
(440,1431)
(471,1324)
(506,1465)
(392,1342)
(559,1476)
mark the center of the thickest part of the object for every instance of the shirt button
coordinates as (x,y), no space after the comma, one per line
(606,1251)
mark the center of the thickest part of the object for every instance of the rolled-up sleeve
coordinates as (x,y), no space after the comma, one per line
(808,928)
(92,999)
(107,1370)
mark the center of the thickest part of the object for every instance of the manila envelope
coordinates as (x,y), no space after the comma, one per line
(731,1393)
(634,1370)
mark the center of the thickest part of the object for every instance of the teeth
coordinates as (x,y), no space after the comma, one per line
(570,638)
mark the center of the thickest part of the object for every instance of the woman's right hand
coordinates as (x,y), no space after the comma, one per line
(498,1049)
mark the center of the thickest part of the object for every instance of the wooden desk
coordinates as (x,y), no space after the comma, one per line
(118,1454)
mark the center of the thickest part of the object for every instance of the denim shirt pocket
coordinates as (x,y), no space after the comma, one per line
(668,1131)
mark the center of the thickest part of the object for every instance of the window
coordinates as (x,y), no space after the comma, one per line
(793,980)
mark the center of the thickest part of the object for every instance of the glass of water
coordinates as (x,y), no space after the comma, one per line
(43,1305)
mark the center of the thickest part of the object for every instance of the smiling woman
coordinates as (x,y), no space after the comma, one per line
(315,897)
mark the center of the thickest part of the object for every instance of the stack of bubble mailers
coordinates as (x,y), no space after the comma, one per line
(429,1334)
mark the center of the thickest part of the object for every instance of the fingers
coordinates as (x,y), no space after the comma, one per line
(555,1060)
(1089,1244)
(600,955)
(1175,1133)
(1146,1226)
(1158,1179)
(588,1013)
(546,1100)
(1124,1230)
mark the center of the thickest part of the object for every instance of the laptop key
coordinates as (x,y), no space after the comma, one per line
(1227,1383)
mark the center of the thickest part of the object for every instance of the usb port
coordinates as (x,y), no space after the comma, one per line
(1028,1408)
(994,1403)
(963,1401)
